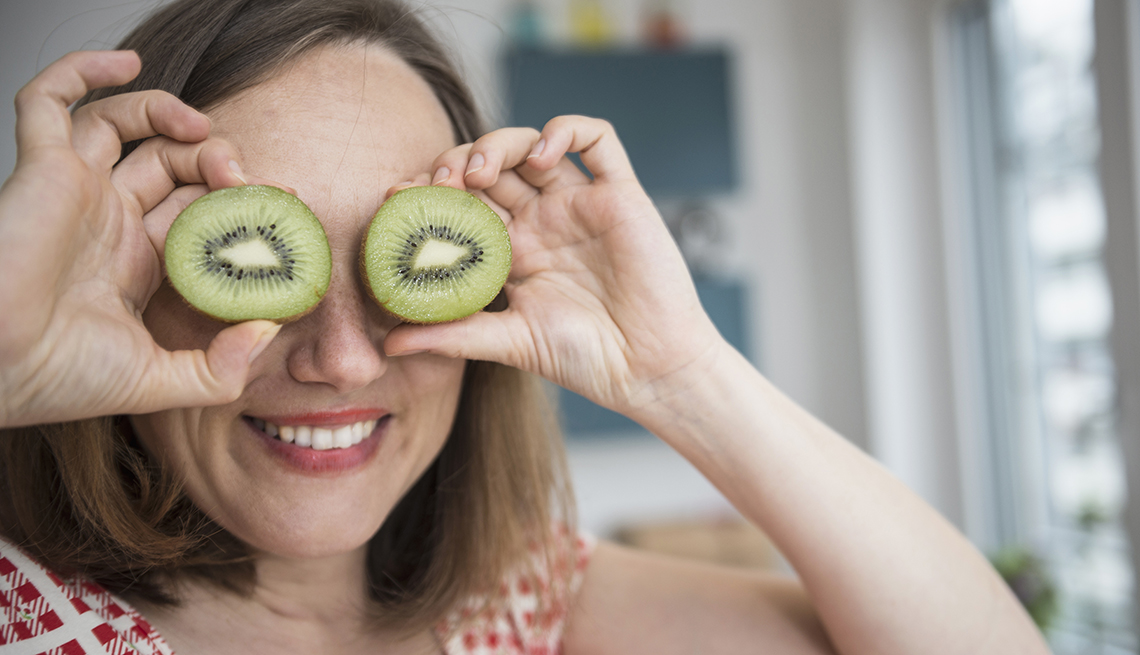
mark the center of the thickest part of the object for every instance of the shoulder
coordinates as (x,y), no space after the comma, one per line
(43,612)
(633,601)
(528,615)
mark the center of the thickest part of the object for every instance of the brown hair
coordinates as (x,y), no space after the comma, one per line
(85,498)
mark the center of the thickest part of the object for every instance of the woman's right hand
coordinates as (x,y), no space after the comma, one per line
(80,250)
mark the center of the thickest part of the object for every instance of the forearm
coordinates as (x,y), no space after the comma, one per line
(885,571)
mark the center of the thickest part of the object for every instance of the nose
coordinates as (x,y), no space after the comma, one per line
(340,343)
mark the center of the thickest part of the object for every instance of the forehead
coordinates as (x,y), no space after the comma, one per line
(339,124)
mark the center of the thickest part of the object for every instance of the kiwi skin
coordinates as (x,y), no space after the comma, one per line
(264,199)
(495,303)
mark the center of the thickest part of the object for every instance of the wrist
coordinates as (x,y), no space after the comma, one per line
(684,397)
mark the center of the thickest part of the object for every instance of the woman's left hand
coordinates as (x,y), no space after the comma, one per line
(600,300)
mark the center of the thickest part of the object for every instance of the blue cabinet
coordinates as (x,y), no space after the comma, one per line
(671,109)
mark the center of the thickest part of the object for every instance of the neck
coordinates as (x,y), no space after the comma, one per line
(328,590)
(298,605)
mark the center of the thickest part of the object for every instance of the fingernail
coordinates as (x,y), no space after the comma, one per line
(263,342)
(538,148)
(441,175)
(408,352)
(475,165)
(406,183)
(237,171)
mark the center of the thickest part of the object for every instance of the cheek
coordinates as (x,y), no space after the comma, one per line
(437,383)
(164,436)
(192,445)
(448,379)
(175,325)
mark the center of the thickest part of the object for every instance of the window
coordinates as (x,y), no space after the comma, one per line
(1053,474)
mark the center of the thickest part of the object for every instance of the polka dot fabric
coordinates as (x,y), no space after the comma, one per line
(43,614)
(530,622)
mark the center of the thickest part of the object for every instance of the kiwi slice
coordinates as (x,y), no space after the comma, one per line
(249,252)
(435,254)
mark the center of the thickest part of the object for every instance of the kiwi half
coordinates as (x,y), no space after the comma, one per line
(435,254)
(249,252)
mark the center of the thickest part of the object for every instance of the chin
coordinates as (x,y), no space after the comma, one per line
(305,532)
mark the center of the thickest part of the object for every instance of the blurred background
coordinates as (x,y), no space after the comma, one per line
(918,217)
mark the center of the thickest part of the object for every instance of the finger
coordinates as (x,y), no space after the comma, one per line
(447,169)
(423,179)
(565,173)
(155,168)
(158,220)
(195,378)
(100,128)
(510,149)
(477,165)
(480,165)
(513,148)
(593,138)
(510,192)
(42,119)
(483,336)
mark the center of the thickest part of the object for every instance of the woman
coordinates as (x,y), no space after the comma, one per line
(442,530)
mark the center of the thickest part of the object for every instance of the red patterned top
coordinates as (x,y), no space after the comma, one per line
(43,614)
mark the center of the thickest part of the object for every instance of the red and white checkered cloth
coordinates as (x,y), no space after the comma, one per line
(42,614)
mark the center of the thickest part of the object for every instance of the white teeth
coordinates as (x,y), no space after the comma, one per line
(322,439)
(303,435)
(357,432)
(342,437)
(307,436)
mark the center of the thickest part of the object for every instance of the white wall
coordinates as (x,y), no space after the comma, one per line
(898,203)
(34,34)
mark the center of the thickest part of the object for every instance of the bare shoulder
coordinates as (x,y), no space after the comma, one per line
(637,602)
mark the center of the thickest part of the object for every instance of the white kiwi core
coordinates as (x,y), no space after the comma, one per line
(250,254)
(435,252)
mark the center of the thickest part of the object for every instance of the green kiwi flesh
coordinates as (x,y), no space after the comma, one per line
(435,254)
(249,252)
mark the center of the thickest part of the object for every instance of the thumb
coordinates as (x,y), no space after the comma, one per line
(218,375)
(487,336)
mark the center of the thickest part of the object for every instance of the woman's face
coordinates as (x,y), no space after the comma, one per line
(340,125)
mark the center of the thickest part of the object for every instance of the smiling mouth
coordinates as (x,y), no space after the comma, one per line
(318,437)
